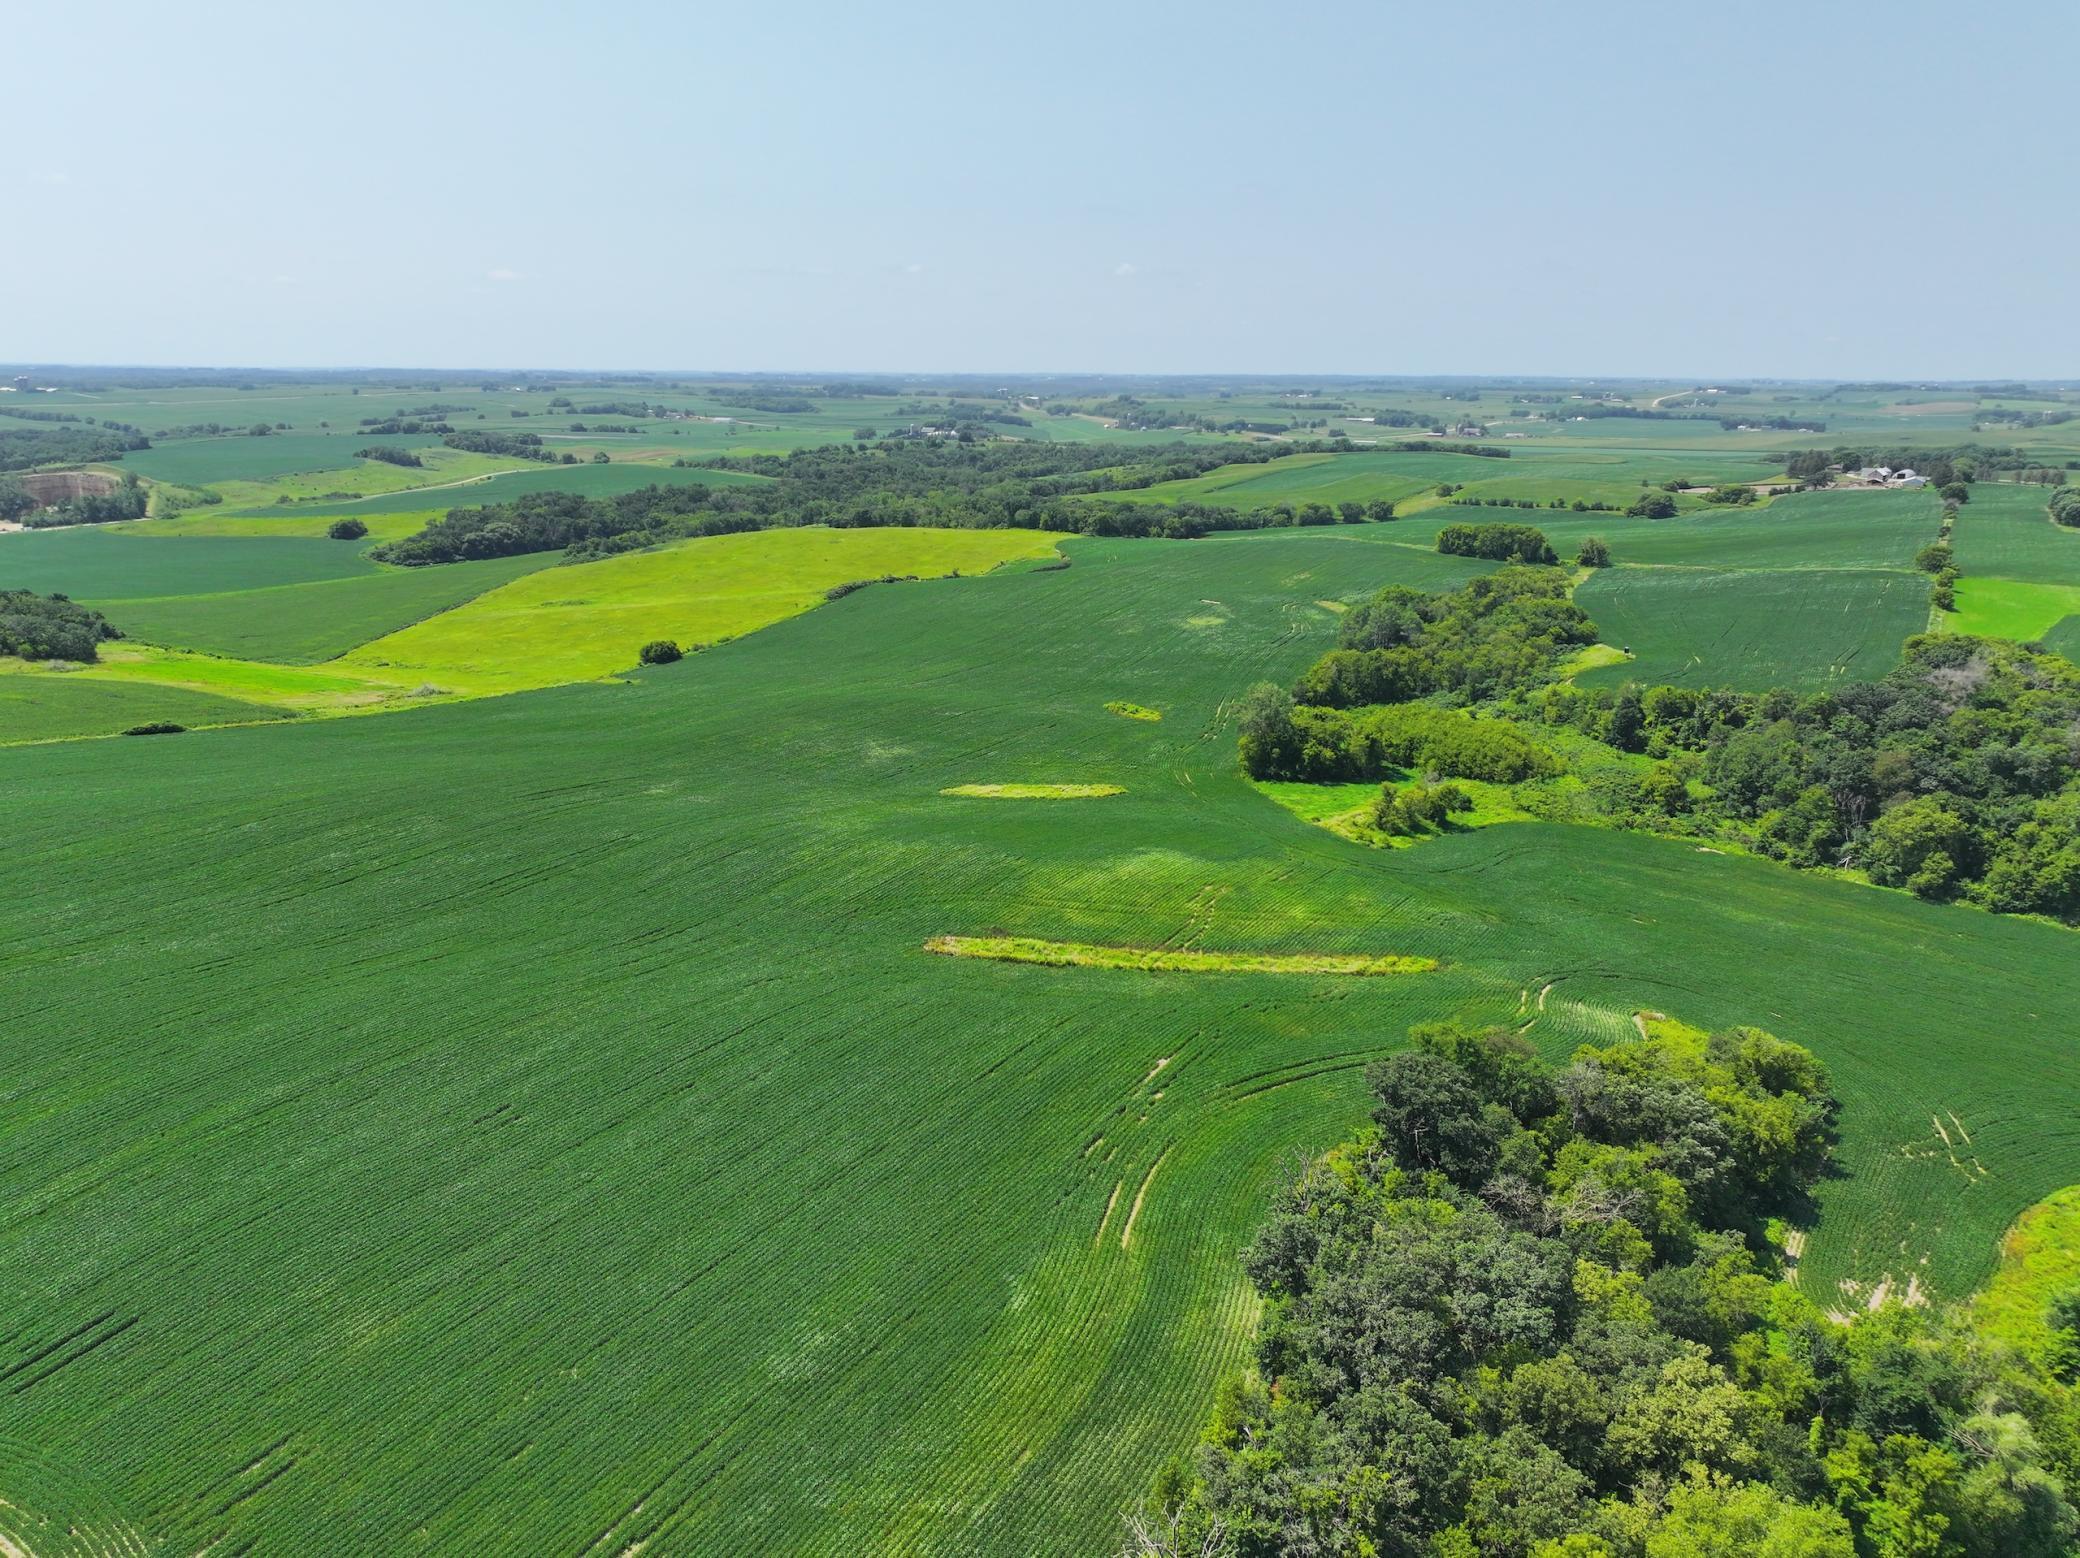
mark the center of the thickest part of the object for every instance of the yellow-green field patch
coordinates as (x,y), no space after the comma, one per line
(1346,809)
(1131,711)
(2040,1259)
(2020,609)
(1035,792)
(1169,960)
(305,689)
(589,620)
(1591,657)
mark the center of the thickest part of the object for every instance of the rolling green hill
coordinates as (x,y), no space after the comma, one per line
(555,1135)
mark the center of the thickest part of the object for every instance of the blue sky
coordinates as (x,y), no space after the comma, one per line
(1861,188)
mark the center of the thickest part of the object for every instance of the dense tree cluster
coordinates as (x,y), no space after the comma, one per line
(402,426)
(522,446)
(389,454)
(1534,1313)
(1774,424)
(50,627)
(2065,506)
(16,499)
(22,448)
(1956,776)
(1499,634)
(1498,543)
(1281,739)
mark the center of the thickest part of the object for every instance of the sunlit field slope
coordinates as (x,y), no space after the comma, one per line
(554,1135)
(570,624)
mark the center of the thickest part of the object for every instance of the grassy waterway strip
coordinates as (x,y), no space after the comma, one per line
(1168,960)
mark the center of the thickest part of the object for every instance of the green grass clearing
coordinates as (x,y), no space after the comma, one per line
(2011,608)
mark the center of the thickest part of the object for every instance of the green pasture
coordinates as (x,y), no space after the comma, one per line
(304,623)
(1803,628)
(554,1136)
(105,562)
(2011,608)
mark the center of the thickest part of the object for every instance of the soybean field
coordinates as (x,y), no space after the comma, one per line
(556,1134)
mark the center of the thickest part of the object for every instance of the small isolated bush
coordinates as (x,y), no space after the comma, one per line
(1652,505)
(157,727)
(1421,808)
(347,530)
(1595,552)
(661,651)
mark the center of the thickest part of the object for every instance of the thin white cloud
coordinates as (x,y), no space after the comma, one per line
(52,176)
(500,273)
(1125,268)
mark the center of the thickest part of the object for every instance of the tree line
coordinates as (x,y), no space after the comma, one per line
(940,484)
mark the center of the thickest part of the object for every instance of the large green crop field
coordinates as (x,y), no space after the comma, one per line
(554,1135)
(42,706)
(100,562)
(303,623)
(1803,628)
(196,462)
(2021,571)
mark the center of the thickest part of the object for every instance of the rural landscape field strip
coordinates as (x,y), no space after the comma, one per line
(577,1146)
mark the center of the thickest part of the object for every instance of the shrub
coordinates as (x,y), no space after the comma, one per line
(346,530)
(1652,505)
(1594,552)
(157,727)
(661,651)
(1421,808)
